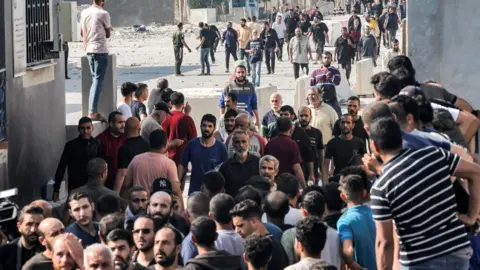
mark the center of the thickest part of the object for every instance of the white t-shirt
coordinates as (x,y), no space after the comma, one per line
(125,109)
(93,22)
(293,216)
(280,29)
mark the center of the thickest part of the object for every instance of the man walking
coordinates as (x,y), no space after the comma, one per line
(255,50)
(320,35)
(344,47)
(178,44)
(280,28)
(391,24)
(204,47)
(230,37)
(95,28)
(326,78)
(244,34)
(297,51)
(368,46)
(272,44)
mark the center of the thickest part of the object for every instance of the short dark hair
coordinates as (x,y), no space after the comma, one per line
(120,234)
(166,94)
(248,193)
(141,88)
(197,204)
(354,98)
(353,186)
(84,120)
(386,134)
(128,88)
(179,25)
(158,139)
(205,231)
(395,41)
(287,108)
(30,210)
(404,77)
(230,113)
(76,196)
(107,204)
(213,182)
(135,189)
(314,203)
(233,96)
(112,116)
(243,20)
(375,110)
(312,233)
(333,201)
(284,124)
(177,98)
(209,118)
(401,61)
(402,106)
(277,207)
(308,189)
(386,84)
(246,209)
(327,53)
(220,206)
(201,24)
(425,110)
(258,249)
(178,235)
(288,184)
(109,223)
(357,170)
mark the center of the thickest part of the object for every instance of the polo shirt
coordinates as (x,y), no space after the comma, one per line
(324,118)
(179,126)
(109,146)
(87,239)
(133,146)
(236,173)
(286,151)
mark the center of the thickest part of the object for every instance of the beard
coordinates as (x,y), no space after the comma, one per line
(396,49)
(31,239)
(240,79)
(207,134)
(326,64)
(121,263)
(352,113)
(304,123)
(241,152)
(345,131)
(160,220)
(166,260)
(230,128)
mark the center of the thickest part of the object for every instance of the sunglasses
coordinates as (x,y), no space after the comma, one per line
(144,231)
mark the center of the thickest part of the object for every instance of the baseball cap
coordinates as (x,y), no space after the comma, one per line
(161,184)
(162,106)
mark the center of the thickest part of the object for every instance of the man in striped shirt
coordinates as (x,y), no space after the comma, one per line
(415,192)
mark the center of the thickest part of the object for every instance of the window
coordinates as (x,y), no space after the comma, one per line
(38,31)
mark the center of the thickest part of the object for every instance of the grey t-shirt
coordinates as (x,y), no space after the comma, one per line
(148,125)
(367,46)
(38,262)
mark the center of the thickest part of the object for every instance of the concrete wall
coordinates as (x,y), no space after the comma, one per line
(35,122)
(206,15)
(441,44)
(128,13)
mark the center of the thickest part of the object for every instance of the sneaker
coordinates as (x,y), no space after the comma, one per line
(226,71)
(201,74)
(269,72)
(207,74)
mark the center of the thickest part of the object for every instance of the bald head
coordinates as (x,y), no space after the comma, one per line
(304,109)
(276,205)
(198,205)
(374,111)
(132,127)
(242,121)
(98,255)
(161,195)
(46,206)
(49,225)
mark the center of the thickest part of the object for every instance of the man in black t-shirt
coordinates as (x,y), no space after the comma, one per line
(315,136)
(204,46)
(353,107)
(139,110)
(304,24)
(343,149)
(320,35)
(344,49)
(214,36)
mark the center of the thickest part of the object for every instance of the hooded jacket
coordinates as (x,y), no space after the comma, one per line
(214,260)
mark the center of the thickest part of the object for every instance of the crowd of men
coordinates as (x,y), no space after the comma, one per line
(396,187)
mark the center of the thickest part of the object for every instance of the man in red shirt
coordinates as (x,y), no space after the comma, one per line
(178,125)
(286,150)
(110,141)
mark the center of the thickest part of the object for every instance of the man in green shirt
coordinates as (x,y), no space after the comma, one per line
(178,44)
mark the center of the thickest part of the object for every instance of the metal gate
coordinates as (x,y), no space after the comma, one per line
(38,30)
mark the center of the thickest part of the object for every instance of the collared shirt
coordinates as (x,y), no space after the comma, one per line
(237,173)
(109,146)
(75,157)
(324,118)
(300,47)
(93,22)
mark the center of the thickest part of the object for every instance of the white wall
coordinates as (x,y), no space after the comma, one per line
(206,15)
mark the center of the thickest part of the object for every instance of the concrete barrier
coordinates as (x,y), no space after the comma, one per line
(263,98)
(301,87)
(108,96)
(206,15)
(334,30)
(363,74)
(68,21)
(237,14)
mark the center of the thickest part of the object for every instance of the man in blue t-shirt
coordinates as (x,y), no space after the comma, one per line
(204,153)
(80,207)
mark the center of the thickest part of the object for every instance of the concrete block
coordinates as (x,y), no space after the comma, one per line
(363,74)
(108,96)
(334,30)
(68,21)
(203,101)
(326,8)
(301,87)
(263,99)
(206,15)
(238,13)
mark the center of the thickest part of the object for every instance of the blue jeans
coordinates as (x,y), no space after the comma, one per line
(458,260)
(256,71)
(204,59)
(98,66)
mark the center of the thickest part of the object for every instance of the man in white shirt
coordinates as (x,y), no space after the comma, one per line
(299,50)
(95,28)
(390,53)
(280,27)
(127,89)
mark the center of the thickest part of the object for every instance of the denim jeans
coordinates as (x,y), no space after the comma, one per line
(256,71)
(98,66)
(233,52)
(244,55)
(280,48)
(270,59)
(204,59)
(458,260)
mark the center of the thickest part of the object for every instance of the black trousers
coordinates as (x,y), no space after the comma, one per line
(347,65)
(296,69)
(270,59)
(65,49)
(230,51)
